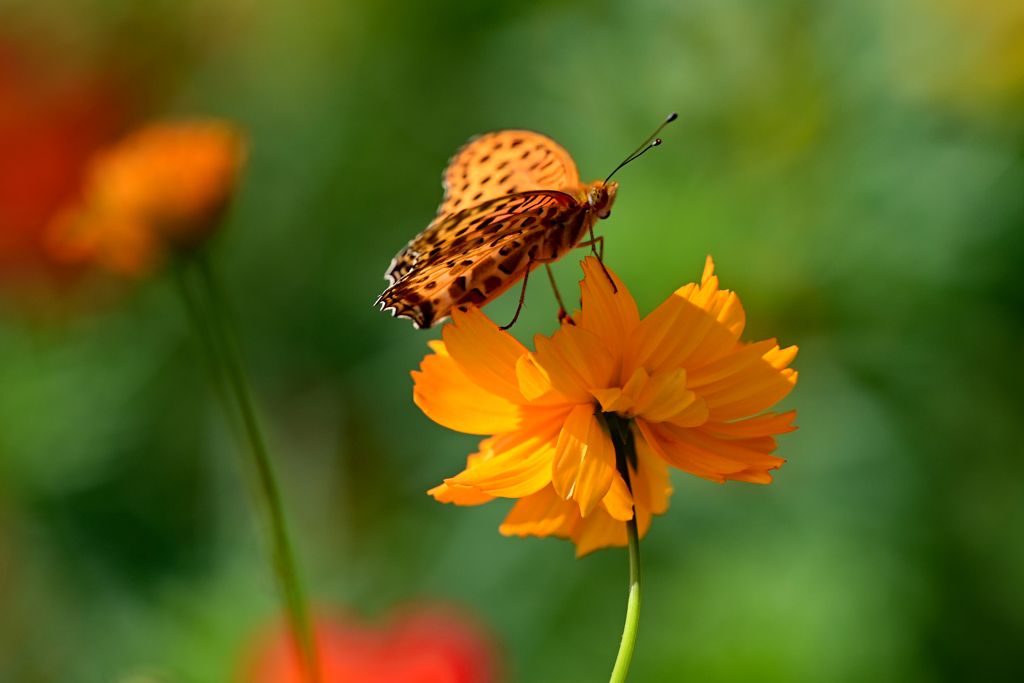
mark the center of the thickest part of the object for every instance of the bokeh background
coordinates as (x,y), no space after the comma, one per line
(854,167)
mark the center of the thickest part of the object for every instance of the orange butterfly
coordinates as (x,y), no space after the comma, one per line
(513,200)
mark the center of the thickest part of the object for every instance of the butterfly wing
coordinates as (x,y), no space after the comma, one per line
(505,162)
(487,168)
(481,252)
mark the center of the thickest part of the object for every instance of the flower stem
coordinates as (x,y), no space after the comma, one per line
(625,455)
(632,606)
(214,326)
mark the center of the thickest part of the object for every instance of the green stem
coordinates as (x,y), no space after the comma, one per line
(196,316)
(632,606)
(219,340)
(625,454)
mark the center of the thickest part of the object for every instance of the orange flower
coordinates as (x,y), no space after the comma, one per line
(678,383)
(162,188)
(429,645)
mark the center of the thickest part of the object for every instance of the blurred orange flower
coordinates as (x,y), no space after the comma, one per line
(428,646)
(692,394)
(164,187)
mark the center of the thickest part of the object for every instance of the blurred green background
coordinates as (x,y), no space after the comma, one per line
(854,167)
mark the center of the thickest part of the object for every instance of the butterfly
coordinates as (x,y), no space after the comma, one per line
(512,201)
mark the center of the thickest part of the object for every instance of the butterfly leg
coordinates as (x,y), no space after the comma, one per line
(600,256)
(562,313)
(590,243)
(522,296)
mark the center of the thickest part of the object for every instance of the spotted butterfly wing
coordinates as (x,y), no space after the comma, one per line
(502,163)
(487,167)
(513,200)
(512,237)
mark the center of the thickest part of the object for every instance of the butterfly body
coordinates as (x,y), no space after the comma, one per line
(513,200)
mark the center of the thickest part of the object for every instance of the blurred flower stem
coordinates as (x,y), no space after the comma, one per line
(625,452)
(211,317)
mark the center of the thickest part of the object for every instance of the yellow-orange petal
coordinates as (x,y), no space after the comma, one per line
(752,476)
(665,396)
(753,452)
(765,397)
(484,353)
(576,362)
(570,448)
(612,399)
(459,495)
(686,458)
(742,356)
(729,315)
(598,531)
(597,471)
(584,463)
(650,335)
(538,423)
(636,383)
(692,415)
(712,457)
(752,389)
(541,514)
(449,398)
(723,334)
(534,383)
(651,490)
(693,327)
(618,502)
(546,514)
(517,472)
(709,270)
(760,425)
(651,484)
(611,311)
(438,347)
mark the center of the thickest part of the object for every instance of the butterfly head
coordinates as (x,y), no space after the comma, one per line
(601,197)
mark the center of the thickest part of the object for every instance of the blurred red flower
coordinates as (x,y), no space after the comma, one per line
(428,645)
(50,124)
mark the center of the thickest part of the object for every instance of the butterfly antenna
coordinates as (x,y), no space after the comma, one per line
(671,117)
(644,147)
